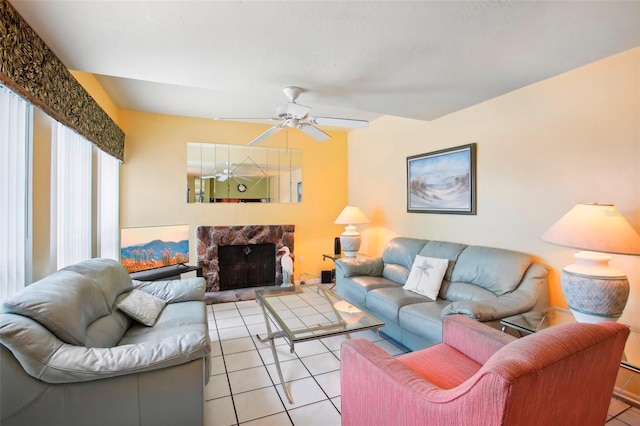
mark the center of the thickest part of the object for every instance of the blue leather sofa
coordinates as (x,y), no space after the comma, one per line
(483,283)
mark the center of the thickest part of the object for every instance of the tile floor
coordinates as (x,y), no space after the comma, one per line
(245,389)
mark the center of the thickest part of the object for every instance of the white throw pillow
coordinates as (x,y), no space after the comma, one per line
(142,307)
(426,276)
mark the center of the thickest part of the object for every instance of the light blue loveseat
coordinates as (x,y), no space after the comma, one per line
(70,357)
(483,283)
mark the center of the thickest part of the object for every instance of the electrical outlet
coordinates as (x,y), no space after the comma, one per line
(301,258)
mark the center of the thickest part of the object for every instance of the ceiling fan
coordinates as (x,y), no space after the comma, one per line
(230,171)
(297,116)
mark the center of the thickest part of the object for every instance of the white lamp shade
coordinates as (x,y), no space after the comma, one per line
(351,215)
(594,227)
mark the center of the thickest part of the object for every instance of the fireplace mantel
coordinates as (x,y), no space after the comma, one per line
(209,238)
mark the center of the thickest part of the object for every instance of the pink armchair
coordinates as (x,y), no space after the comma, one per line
(479,376)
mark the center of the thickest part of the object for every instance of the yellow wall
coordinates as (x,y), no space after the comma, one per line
(540,150)
(153,182)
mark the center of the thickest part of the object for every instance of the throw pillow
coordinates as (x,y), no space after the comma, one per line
(142,307)
(426,276)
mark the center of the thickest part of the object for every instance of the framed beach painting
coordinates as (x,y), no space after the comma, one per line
(442,181)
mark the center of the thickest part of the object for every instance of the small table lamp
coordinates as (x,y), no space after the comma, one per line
(350,239)
(594,290)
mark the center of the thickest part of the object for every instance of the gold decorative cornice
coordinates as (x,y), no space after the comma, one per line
(31,69)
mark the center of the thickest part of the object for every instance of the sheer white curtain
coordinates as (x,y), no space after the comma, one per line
(71,181)
(108,205)
(15,177)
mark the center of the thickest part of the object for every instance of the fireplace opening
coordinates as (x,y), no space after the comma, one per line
(250,265)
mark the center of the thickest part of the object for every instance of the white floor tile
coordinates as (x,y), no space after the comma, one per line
(253,319)
(284,354)
(216,307)
(370,335)
(219,412)
(312,347)
(213,335)
(216,350)
(291,370)
(336,354)
(322,413)
(233,333)
(230,322)
(337,402)
(330,383)
(253,310)
(247,304)
(280,419)
(334,342)
(257,403)
(216,366)
(303,311)
(303,391)
(217,387)
(237,345)
(249,379)
(322,363)
(242,360)
(230,313)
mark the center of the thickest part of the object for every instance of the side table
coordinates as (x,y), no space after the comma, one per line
(531,322)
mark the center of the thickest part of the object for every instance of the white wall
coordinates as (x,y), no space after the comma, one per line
(540,150)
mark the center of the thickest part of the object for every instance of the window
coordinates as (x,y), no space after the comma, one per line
(108,205)
(71,204)
(16,117)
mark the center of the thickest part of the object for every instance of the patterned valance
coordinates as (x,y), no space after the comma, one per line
(31,69)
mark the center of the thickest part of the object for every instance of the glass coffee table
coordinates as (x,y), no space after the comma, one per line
(308,312)
(531,322)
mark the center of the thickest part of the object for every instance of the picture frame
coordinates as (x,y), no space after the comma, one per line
(443,181)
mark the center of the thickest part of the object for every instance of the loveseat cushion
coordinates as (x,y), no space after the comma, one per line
(497,270)
(65,302)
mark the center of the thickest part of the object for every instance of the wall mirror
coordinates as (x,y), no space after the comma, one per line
(218,173)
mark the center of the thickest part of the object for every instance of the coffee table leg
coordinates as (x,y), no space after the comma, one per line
(270,337)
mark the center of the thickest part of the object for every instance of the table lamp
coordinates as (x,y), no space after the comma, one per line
(593,289)
(350,239)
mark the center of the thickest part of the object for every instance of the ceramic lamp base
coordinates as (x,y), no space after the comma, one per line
(350,244)
(594,291)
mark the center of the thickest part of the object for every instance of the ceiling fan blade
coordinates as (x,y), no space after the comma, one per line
(266,134)
(296,110)
(314,132)
(339,122)
(222,178)
(248,118)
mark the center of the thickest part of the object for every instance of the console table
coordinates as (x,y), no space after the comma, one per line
(172,272)
(531,322)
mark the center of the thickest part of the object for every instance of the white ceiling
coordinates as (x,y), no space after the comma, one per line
(357,59)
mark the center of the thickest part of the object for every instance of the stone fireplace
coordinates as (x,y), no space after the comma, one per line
(210,238)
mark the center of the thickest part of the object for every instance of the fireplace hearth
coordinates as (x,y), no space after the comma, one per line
(217,272)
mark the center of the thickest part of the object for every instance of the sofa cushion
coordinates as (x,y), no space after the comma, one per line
(142,307)
(106,331)
(443,250)
(109,275)
(387,301)
(426,276)
(497,270)
(355,289)
(398,256)
(422,319)
(65,302)
(458,292)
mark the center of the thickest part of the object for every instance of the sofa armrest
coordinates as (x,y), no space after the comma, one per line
(522,299)
(45,357)
(351,267)
(173,291)
(474,339)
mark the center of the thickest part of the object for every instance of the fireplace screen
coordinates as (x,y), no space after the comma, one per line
(250,265)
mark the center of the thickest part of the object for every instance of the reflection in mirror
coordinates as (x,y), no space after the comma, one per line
(218,173)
